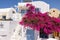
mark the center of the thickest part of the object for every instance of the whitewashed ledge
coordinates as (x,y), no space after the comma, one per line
(52,39)
(47,39)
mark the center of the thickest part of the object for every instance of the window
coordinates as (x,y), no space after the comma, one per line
(23,11)
(13,12)
(4,17)
(42,34)
(37,9)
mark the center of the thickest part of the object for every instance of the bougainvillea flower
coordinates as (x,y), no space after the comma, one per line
(38,20)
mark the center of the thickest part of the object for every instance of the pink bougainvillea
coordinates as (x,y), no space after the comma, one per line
(38,20)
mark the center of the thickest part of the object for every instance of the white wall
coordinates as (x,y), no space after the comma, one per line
(43,6)
(5,30)
(7,11)
(16,17)
(8,29)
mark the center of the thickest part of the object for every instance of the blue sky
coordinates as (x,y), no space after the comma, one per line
(11,3)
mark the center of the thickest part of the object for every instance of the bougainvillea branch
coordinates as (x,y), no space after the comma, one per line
(38,20)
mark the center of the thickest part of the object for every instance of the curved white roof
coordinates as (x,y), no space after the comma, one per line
(43,6)
(6,9)
(34,2)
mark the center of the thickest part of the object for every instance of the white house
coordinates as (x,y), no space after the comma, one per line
(27,33)
(7,23)
(6,13)
(41,6)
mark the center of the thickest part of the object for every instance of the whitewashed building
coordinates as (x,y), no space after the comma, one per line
(27,33)
(7,13)
(40,6)
(7,23)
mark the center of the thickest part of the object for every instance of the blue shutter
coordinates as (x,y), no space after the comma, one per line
(23,12)
(30,34)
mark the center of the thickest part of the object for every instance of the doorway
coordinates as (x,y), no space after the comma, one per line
(30,34)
